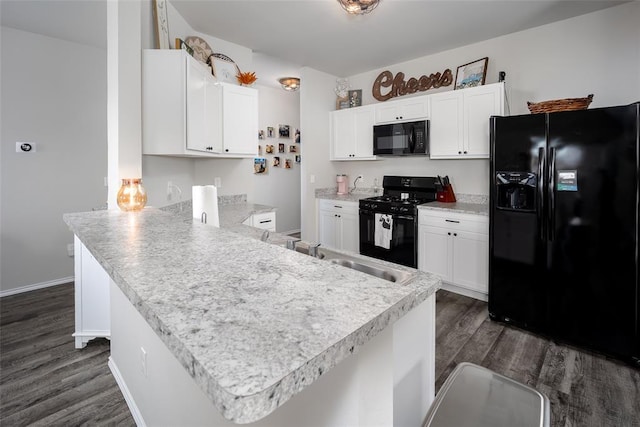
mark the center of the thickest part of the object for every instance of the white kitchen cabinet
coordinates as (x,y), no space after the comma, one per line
(455,247)
(265,221)
(91,297)
(459,121)
(338,225)
(404,110)
(352,134)
(185,112)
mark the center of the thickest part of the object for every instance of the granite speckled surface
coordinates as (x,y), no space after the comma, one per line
(458,207)
(253,323)
(354,196)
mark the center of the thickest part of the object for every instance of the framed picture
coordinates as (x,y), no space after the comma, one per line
(269,149)
(471,74)
(162,24)
(342,103)
(297,158)
(259,165)
(283,131)
(224,68)
(270,132)
(288,164)
(297,136)
(355,98)
(293,149)
(281,148)
(261,134)
(260,150)
(276,162)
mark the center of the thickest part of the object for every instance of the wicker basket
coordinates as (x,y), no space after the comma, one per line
(567,104)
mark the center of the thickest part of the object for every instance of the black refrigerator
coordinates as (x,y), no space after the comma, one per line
(563,227)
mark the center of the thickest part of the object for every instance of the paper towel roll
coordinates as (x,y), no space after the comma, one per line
(205,199)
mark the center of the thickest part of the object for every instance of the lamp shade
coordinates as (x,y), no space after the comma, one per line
(290,83)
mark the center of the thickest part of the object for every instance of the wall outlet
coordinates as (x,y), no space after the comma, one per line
(143,361)
(312,179)
(217,181)
(70,249)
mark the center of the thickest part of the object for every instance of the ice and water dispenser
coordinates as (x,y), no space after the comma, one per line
(516,190)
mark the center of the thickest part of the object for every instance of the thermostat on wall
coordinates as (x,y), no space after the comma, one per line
(25,147)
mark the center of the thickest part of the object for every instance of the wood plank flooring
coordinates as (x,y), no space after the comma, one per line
(45,381)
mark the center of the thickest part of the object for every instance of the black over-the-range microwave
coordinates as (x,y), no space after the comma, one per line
(401,139)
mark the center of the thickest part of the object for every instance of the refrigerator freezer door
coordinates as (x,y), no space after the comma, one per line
(517,283)
(593,221)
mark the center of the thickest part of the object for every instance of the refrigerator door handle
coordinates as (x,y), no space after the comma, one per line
(540,193)
(552,194)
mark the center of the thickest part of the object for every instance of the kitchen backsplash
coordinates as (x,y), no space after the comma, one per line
(481,199)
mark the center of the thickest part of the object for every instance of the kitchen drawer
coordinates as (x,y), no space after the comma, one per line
(265,221)
(454,221)
(338,206)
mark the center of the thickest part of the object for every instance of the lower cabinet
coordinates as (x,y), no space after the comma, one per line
(91,297)
(455,247)
(265,221)
(338,225)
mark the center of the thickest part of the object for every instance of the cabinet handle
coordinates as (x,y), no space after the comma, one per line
(337,206)
(449,234)
(265,221)
(450,220)
(226,150)
(459,152)
(455,234)
(465,152)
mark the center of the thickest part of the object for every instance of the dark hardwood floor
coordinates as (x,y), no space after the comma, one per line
(45,381)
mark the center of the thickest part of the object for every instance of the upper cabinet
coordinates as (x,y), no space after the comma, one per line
(415,108)
(185,112)
(459,121)
(352,134)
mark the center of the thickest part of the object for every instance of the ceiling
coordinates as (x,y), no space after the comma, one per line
(317,33)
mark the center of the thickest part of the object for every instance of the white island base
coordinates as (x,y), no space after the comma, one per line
(388,382)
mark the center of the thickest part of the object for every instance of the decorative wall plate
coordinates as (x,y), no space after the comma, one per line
(224,68)
(201,49)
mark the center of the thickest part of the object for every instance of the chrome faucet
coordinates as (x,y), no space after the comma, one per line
(291,244)
(265,235)
(313,249)
(203,218)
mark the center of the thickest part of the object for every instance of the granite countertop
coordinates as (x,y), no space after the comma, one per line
(354,196)
(458,207)
(252,322)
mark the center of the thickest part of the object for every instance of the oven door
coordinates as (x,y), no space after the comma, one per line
(402,248)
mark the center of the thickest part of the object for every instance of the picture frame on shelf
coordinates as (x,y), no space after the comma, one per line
(472,74)
(224,68)
(355,98)
(342,103)
(161,24)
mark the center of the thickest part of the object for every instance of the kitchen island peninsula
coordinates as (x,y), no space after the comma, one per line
(210,326)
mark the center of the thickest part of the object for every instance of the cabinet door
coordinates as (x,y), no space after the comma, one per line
(343,135)
(479,104)
(327,229)
(470,254)
(240,125)
(349,232)
(363,122)
(415,108)
(388,112)
(445,131)
(196,107)
(434,251)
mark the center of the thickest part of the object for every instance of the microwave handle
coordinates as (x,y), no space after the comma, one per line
(412,139)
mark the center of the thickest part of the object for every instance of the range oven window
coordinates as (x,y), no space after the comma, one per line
(402,248)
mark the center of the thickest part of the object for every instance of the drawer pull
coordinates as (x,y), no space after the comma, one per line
(265,221)
(450,220)
(337,206)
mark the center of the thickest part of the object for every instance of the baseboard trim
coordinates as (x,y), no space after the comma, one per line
(464,291)
(133,408)
(36,286)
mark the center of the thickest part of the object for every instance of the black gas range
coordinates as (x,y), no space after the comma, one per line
(389,222)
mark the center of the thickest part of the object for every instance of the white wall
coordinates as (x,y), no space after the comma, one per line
(54,94)
(317,99)
(595,53)
(279,187)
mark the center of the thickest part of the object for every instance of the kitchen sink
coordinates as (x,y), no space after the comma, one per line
(355,263)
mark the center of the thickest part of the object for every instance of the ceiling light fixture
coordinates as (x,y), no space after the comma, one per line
(290,83)
(358,7)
